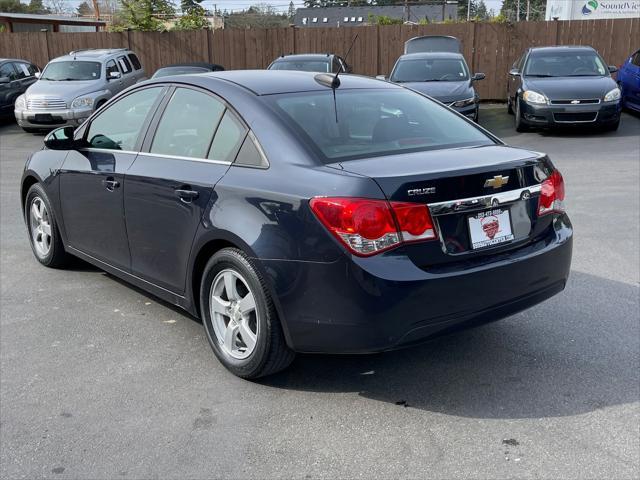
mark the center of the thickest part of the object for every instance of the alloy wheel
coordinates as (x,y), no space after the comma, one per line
(40,227)
(233,314)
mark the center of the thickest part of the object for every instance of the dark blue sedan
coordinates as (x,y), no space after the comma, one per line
(629,82)
(297,212)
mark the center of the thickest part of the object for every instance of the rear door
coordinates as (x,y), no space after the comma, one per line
(92,178)
(128,75)
(632,81)
(170,184)
(26,75)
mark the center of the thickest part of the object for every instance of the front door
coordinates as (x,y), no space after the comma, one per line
(92,178)
(170,184)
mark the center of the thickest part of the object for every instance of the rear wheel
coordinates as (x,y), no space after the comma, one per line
(44,235)
(241,322)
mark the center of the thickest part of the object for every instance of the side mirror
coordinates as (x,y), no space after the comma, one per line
(60,139)
(514,72)
(381,77)
(5,80)
(114,75)
(478,76)
(37,74)
(613,69)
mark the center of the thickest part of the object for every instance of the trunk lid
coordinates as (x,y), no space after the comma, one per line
(461,183)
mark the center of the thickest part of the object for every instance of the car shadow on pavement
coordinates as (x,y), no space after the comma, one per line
(573,354)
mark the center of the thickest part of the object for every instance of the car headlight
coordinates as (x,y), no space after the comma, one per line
(21,103)
(82,102)
(613,95)
(534,97)
(464,103)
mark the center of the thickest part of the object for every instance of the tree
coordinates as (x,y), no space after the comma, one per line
(12,6)
(143,14)
(292,11)
(537,9)
(37,6)
(193,16)
(58,6)
(84,9)
(260,15)
(481,11)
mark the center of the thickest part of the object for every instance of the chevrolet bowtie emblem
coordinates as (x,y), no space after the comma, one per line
(575,102)
(496,182)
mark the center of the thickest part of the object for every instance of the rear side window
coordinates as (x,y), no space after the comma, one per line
(134,61)
(119,124)
(188,124)
(249,154)
(32,69)
(373,122)
(124,65)
(228,139)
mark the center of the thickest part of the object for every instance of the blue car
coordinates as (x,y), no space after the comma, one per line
(629,82)
(301,212)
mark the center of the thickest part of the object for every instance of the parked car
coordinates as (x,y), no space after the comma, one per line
(184,68)
(387,215)
(73,86)
(433,65)
(629,82)
(311,62)
(560,86)
(15,77)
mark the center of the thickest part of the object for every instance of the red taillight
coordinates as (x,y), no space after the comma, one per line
(368,226)
(552,194)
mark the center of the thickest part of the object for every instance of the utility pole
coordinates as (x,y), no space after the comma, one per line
(528,9)
(469,10)
(517,10)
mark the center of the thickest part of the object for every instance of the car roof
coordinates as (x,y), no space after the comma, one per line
(92,54)
(270,82)
(207,66)
(427,55)
(306,56)
(13,60)
(565,48)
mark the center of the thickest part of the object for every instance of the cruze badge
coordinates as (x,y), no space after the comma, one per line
(496,182)
(421,191)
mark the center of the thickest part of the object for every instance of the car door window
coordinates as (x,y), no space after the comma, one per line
(7,71)
(636,59)
(228,139)
(111,67)
(21,70)
(125,66)
(118,126)
(32,69)
(188,124)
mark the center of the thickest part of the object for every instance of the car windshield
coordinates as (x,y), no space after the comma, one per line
(165,72)
(301,65)
(565,64)
(373,122)
(430,70)
(71,71)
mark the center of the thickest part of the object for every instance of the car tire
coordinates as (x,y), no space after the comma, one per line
(613,126)
(520,126)
(509,106)
(30,130)
(239,317)
(42,226)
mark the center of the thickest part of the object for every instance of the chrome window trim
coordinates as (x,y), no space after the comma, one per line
(482,202)
(106,150)
(178,157)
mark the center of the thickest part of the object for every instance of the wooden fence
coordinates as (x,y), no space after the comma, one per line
(488,47)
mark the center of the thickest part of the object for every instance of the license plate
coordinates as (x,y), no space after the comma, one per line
(489,228)
(44,117)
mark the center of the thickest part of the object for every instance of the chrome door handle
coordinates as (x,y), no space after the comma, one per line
(111,184)
(185,194)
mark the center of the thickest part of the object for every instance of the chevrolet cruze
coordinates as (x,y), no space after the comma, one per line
(300,212)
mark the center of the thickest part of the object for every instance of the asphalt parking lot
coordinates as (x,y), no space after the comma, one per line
(100,380)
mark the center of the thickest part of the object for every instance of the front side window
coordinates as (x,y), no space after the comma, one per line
(188,124)
(111,68)
(430,70)
(118,126)
(565,64)
(73,70)
(22,70)
(373,122)
(228,139)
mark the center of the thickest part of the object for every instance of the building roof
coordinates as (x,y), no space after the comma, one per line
(335,16)
(30,17)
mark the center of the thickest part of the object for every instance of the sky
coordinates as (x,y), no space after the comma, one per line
(283,5)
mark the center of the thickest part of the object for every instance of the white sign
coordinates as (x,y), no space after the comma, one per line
(592,9)
(490,228)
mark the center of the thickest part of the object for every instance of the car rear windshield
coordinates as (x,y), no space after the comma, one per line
(430,70)
(565,64)
(72,71)
(301,65)
(373,122)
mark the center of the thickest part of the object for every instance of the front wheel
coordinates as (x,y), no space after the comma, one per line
(44,235)
(239,317)
(520,126)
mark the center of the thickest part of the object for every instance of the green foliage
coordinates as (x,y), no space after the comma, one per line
(384,20)
(12,6)
(84,9)
(260,15)
(191,21)
(144,15)
(537,10)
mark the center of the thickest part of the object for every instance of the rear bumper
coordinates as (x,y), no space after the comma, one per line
(358,305)
(570,115)
(48,119)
